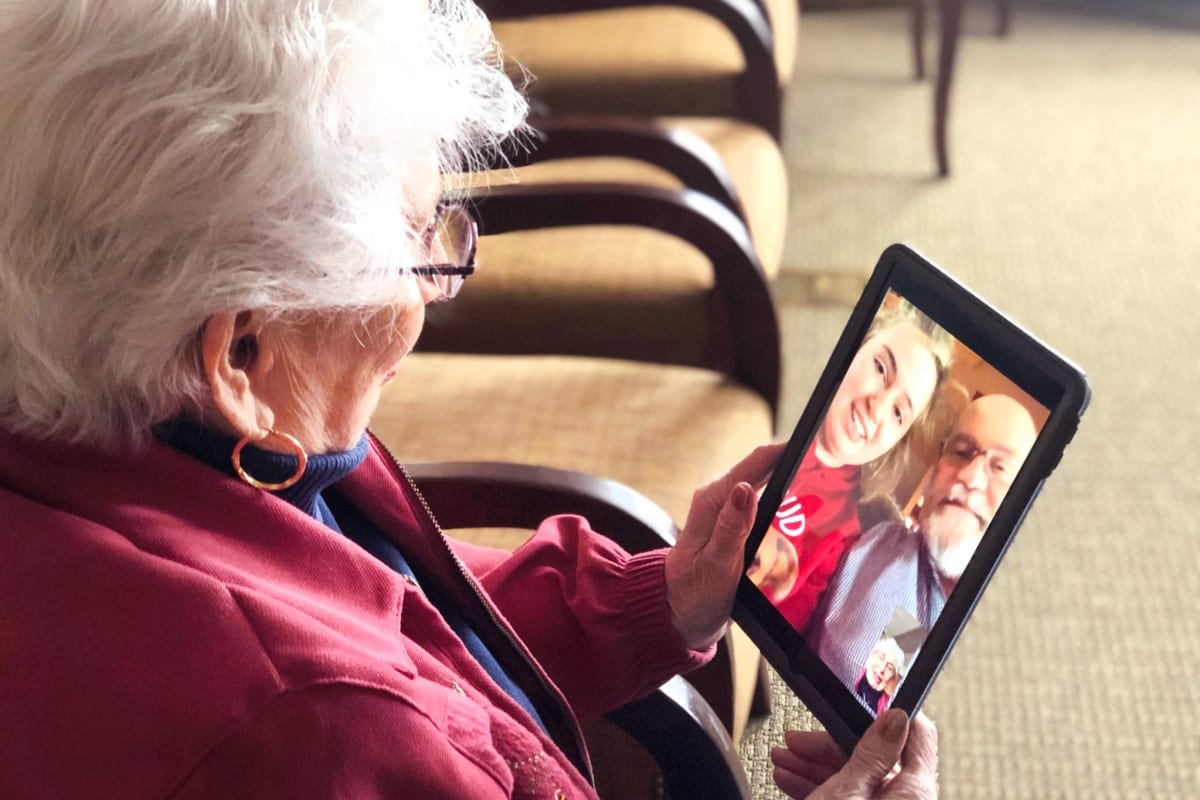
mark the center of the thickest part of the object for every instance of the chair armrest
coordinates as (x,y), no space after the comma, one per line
(683,735)
(750,351)
(488,494)
(682,153)
(759,91)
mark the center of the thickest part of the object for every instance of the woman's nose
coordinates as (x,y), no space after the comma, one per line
(877,406)
(871,417)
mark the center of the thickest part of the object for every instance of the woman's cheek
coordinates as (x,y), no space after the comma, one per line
(894,433)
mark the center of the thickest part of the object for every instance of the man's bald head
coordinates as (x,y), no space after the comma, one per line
(1001,420)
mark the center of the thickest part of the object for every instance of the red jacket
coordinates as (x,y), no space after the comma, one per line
(168,632)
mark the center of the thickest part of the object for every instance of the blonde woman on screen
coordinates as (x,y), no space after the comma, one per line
(886,395)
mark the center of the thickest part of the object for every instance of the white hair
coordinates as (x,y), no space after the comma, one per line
(165,160)
(890,647)
(951,544)
(952,537)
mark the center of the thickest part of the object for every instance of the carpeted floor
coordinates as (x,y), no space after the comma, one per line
(1075,207)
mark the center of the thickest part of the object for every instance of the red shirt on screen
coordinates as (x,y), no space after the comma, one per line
(819,514)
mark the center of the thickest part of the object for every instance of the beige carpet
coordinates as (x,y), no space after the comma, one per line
(1075,207)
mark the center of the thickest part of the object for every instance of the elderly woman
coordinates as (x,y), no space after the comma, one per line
(220,223)
(880,675)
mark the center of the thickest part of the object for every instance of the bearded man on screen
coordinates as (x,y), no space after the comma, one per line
(891,567)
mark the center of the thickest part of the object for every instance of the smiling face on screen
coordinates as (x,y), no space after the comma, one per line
(889,384)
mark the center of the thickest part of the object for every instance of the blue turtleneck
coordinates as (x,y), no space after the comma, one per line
(324,470)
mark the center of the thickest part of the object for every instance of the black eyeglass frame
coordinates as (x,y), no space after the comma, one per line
(447,269)
(964,458)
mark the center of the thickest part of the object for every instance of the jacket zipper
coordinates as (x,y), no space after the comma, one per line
(550,691)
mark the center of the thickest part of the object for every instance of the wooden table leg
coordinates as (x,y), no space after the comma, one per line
(951,25)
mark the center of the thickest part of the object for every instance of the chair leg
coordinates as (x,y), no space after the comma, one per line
(760,703)
(1003,16)
(951,24)
(918,38)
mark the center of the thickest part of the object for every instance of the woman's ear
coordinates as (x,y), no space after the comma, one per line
(233,357)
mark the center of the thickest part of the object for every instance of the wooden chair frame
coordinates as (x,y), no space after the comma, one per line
(950,13)
(759,92)
(674,724)
(681,153)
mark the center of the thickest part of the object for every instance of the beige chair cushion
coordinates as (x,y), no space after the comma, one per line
(664,431)
(644,61)
(661,430)
(653,45)
(751,158)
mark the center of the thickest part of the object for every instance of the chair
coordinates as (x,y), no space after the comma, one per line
(712,58)
(604,283)
(950,25)
(675,730)
(684,285)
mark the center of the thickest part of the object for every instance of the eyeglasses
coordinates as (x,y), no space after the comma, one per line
(451,235)
(1001,465)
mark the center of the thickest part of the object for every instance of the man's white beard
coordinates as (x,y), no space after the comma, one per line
(951,542)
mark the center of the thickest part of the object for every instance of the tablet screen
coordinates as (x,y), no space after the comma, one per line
(909,462)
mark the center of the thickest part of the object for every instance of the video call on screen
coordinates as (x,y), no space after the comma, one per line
(905,471)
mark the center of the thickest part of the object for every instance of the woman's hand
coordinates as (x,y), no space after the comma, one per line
(812,766)
(704,566)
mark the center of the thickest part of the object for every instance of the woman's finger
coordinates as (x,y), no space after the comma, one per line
(921,750)
(708,501)
(815,771)
(728,540)
(876,754)
(815,746)
(755,468)
(811,755)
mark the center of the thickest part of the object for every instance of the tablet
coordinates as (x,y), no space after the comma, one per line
(929,434)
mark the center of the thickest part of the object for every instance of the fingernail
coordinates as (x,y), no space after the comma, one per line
(741,497)
(893,726)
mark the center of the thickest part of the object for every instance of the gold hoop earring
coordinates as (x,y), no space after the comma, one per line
(301,456)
